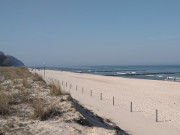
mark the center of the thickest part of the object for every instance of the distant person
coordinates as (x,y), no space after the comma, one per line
(167,78)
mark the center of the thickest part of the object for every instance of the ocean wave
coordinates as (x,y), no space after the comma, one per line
(121,73)
(149,75)
(78,71)
(126,73)
(133,72)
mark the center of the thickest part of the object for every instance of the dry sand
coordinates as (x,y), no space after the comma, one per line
(146,96)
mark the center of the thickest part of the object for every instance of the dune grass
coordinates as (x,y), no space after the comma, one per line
(4,103)
(15,90)
(43,112)
(37,77)
(55,90)
(13,78)
(25,83)
(12,73)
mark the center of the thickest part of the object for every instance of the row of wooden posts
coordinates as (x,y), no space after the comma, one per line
(101,97)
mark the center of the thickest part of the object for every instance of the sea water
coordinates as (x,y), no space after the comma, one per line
(160,72)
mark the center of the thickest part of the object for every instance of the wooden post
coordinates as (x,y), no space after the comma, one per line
(66,84)
(131,106)
(91,92)
(62,82)
(156,115)
(113,100)
(101,96)
(76,87)
(82,90)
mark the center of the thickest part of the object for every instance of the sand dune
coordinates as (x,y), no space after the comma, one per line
(29,106)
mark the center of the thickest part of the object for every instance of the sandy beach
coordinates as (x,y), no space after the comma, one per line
(146,96)
(89,67)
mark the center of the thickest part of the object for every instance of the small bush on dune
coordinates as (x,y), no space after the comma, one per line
(21,97)
(25,83)
(50,112)
(24,96)
(15,82)
(4,103)
(42,113)
(37,77)
(38,108)
(54,90)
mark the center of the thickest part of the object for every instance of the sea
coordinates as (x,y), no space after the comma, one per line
(153,72)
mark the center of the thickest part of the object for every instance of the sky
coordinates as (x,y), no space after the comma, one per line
(91,32)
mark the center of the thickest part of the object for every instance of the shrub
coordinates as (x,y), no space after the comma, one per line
(15,82)
(50,112)
(54,90)
(21,97)
(4,103)
(38,108)
(37,77)
(25,83)
(42,113)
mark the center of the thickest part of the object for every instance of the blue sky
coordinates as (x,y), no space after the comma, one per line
(91,32)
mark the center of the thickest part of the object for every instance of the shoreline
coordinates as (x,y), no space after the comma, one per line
(113,76)
(159,72)
(146,95)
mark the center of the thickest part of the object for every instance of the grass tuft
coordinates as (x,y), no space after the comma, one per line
(55,90)
(25,83)
(14,72)
(21,97)
(4,103)
(38,108)
(37,77)
(42,113)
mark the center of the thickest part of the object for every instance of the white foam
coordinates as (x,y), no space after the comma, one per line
(121,73)
(133,72)
(149,75)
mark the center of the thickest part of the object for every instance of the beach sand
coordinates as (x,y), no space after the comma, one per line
(146,96)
